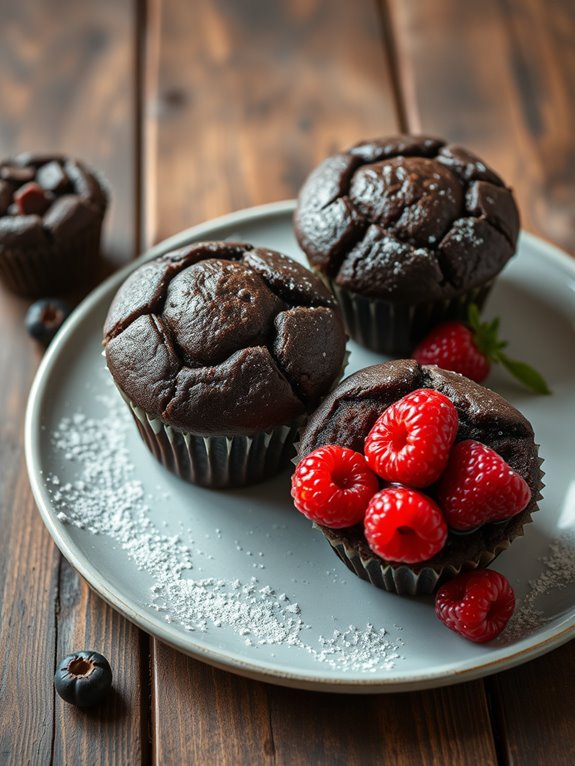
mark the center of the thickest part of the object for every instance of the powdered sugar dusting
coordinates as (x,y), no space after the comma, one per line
(107,498)
(558,573)
(353,649)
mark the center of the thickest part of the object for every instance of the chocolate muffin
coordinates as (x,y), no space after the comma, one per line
(408,231)
(51,214)
(220,350)
(347,415)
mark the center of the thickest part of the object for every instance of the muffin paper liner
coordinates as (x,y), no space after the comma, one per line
(401,578)
(216,461)
(55,268)
(219,461)
(395,328)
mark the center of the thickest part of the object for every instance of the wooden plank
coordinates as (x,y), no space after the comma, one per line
(533,708)
(29,576)
(498,77)
(442,726)
(116,731)
(66,78)
(204,715)
(243,99)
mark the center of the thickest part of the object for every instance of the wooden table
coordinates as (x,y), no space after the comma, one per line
(193,109)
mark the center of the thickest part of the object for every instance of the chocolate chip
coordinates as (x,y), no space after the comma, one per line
(68,216)
(52,177)
(31,199)
(17,175)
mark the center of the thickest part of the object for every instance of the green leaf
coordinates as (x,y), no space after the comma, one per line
(525,374)
(473,316)
(486,338)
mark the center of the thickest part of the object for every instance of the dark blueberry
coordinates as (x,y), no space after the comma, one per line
(45,317)
(83,678)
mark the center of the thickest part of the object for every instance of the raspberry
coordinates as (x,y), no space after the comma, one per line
(478,487)
(402,524)
(333,486)
(477,605)
(410,442)
(451,346)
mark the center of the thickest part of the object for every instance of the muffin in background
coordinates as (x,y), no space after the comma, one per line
(221,349)
(407,231)
(346,417)
(51,213)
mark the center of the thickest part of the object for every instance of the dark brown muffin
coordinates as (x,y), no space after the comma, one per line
(408,231)
(347,415)
(221,349)
(51,214)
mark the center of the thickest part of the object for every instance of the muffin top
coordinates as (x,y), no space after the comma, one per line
(224,338)
(406,219)
(45,198)
(347,415)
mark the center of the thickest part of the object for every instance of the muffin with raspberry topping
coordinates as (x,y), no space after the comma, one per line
(220,350)
(408,231)
(350,418)
(51,213)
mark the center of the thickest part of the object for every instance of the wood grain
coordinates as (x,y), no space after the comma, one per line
(116,730)
(67,74)
(29,583)
(533,710)
(498,77)
(443,726)
(203,715)
(245,97)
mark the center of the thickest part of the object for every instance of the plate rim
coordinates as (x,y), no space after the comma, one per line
(219,658)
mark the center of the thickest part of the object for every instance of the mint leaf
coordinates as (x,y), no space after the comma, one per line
(525,374)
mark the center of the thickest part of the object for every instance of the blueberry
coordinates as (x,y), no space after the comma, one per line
(45,317)
(83,678)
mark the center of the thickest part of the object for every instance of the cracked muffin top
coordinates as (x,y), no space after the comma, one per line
(224,338)
(406,219)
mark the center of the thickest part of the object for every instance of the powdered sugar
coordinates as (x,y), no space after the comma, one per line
(106,497)
(558,572)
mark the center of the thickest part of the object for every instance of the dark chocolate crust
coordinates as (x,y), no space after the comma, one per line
(406,219)
(74,200)
(346,416)
(224,338)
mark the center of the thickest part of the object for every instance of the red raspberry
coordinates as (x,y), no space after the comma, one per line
(451,346)
(410,442)
(333,486)
(402,524)
(477,605)
(478,487)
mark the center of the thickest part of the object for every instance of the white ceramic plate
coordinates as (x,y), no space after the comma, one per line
(291,624)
